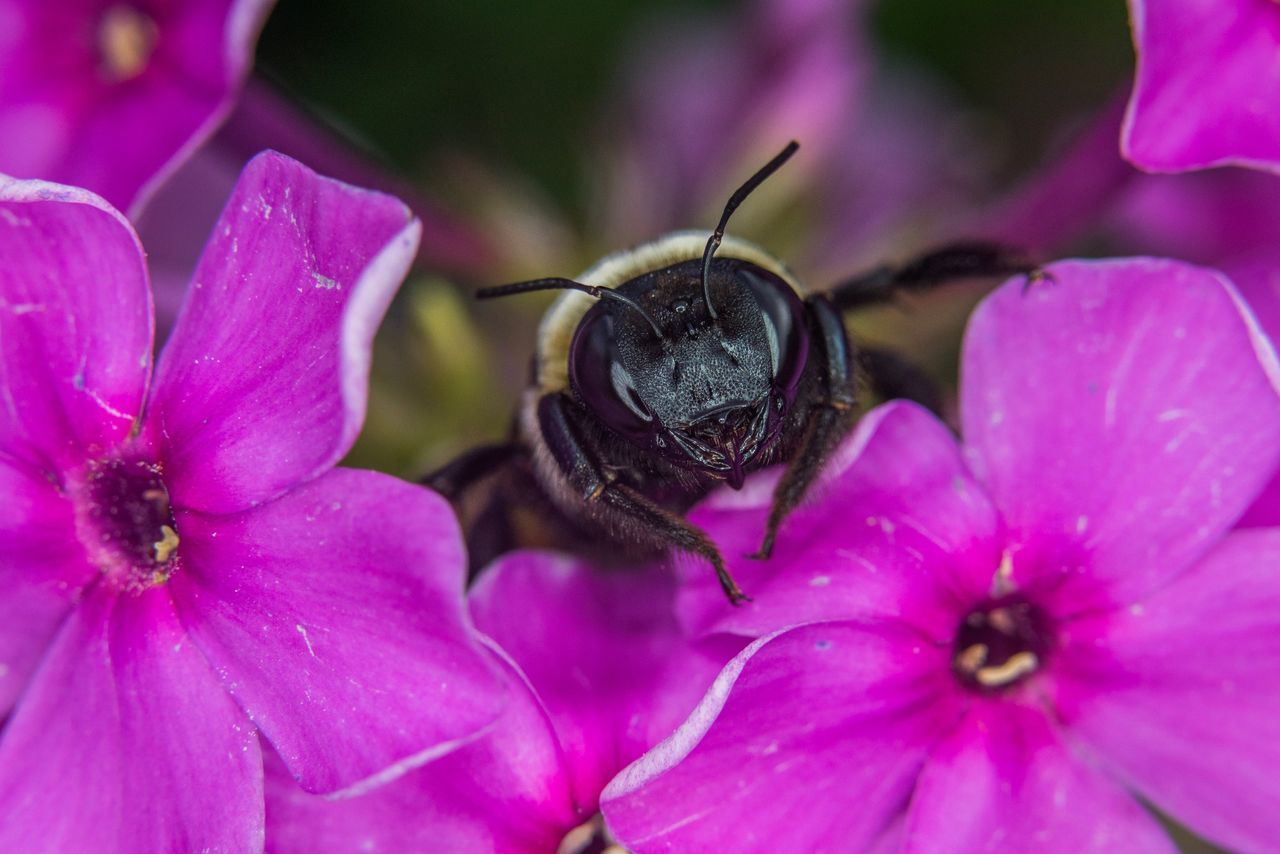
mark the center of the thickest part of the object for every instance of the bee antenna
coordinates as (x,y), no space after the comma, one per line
(559,284)
(736,199)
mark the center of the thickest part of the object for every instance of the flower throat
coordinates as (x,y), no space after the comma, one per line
(1000,643)
(126,522)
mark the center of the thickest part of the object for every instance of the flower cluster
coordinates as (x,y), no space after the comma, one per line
(1052,627)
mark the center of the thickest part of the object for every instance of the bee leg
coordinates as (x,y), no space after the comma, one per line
(614,503)
(893,376)
(948,264)
(829,421)
(455,476)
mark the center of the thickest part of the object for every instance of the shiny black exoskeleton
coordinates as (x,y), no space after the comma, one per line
(683,364)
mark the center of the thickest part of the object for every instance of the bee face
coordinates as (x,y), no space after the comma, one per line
(708,393)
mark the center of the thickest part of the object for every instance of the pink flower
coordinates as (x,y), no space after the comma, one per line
(1007,640)
(113,95)
(600,672)
(184,569)
(1207,91)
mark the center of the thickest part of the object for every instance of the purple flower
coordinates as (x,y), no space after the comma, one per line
(1207,91)
(113,95)
(184,568)
(1007,640)
(600,672)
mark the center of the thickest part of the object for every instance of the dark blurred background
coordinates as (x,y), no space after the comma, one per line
(496,111)
(522,84)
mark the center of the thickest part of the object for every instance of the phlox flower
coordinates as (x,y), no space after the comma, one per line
(999,644)
(113,95)
(184,570)
(600,672)
(1207,88)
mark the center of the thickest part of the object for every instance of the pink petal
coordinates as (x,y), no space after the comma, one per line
(1179,693)
(125,742)
(509,791)
(1121,419)
(75,324)
(1258,279)
(264,380)
(1004,781)
(813,735)
(604,653)
(334,615)
(42,571)
(1207,91)
(1220,217)
(62,119)
(898,527)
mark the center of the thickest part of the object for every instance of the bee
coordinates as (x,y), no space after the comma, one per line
(668,369)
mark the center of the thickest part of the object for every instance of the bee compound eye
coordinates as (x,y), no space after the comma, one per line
(603,383)
(786,334)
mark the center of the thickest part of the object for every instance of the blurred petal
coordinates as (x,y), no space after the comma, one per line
(813,735)
(75,324)
(900,172)
(897,527)
(603,651)
(1258,279)
(1178,694)
(1207,91)
(1067,195)
(1122,416)
(708,103)
(125,742)
(67,115)
(509,791)
(1217,217)
(42,571)
(334,615)
(263,383)
(1004,781)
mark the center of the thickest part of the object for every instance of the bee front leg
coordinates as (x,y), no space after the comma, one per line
(592,490)
(942,266)
(830,420)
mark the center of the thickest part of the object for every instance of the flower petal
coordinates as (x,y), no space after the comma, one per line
(1122,416)
(1005,781)
(75,324)
(1178,694)
(897,527)
(604,653)
(63,118)
(1206,88)
(125,742)
(813,735)
(509,791)
(42,571)
(264,380)
(334,615)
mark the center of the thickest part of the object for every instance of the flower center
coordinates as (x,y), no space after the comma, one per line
(1000,643)
(590,837)
(124,519)
(126,40)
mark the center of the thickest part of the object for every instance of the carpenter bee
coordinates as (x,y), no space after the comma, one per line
(691,361)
